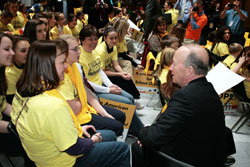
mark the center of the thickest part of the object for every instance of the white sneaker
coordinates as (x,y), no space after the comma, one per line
(139,106)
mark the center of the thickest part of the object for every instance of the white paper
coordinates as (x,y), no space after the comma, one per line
(132,25)
(223,78)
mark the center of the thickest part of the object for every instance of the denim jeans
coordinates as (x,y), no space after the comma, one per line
(125,97)
(108,153)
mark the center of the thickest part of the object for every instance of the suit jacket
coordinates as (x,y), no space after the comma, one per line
(94,14)
(192,128)
(153,11)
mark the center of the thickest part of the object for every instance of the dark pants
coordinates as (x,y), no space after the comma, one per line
(105,123)
(127,85)
(8,143)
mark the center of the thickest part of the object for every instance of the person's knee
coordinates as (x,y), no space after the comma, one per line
(108,135)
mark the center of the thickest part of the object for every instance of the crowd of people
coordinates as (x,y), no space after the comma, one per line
(54,70)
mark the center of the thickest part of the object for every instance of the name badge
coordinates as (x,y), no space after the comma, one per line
(230,24)
(211,25)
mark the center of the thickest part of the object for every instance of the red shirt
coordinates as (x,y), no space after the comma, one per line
(201,21)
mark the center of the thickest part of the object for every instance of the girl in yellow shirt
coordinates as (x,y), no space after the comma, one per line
(242,66)
(8,143)
(20,46)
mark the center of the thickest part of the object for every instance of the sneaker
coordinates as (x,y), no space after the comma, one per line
(139,106)
(229,161)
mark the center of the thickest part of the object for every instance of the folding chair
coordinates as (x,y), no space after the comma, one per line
(172,161)
(12,130)
(239,92)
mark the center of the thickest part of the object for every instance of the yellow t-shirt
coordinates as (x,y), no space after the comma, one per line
(7,27)
(106,57)
(229,61)
(18,21)
(91,63)
(54,31)
(3,105)
(79,24)
(75,32)
(12,74)
(86,19)
(246,73)
(69,92)
(46,129)
(163,75)
(158,58)
(221,49)
(100,40)
(122,46)
(174,14)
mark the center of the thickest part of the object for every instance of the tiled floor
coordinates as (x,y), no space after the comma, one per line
(149,113)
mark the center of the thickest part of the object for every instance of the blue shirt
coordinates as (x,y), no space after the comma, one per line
(179,5)
(233,21)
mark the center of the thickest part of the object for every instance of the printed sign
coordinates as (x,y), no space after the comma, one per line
(136,35)
(141,79)
(126,108)
(232,105)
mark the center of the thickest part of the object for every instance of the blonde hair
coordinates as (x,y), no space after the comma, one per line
(167,55)
(235,48)
(121,26)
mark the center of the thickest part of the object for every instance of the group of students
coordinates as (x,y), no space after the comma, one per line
(51,81)
(52,77)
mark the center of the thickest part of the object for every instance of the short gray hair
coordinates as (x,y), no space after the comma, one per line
(200,68)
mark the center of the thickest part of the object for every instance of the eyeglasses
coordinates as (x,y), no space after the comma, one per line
(75,49)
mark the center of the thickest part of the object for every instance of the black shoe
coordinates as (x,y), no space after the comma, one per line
(229,161)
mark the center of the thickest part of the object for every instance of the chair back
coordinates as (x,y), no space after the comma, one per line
(172,161)
(240,92)
(13,131)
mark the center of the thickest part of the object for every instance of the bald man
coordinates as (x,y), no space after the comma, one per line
(192,128)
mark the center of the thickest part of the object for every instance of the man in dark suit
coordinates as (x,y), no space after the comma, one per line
(97,11)
(192,128)
(153,11)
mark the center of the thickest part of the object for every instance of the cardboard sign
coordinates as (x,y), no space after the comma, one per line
(136,35)
(141,79)
(232,105)
(126,108)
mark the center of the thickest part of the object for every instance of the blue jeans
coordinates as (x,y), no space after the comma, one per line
(108,153)
(125,97)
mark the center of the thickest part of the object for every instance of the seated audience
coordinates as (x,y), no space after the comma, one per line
(158,32)
(8,142)
(60,27)
(165,62)
(72,24)
(85,106)
(234,50)
(35,30)
(47,126)
(21,47)
(18,22)
(221,41)
(92,64)
(241,66)
(5,21)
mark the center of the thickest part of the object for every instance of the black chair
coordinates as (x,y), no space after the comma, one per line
(240,93)
(27,162)
(172,161)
